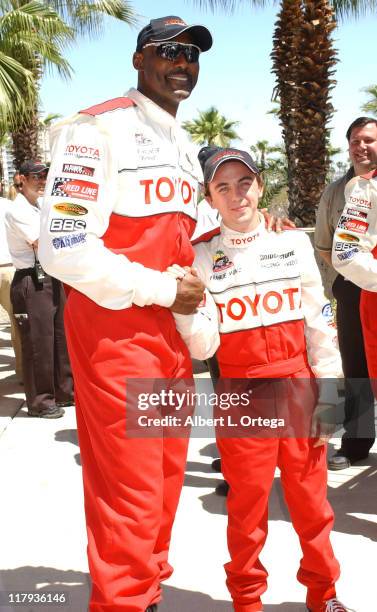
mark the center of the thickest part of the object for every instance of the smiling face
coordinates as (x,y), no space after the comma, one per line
(33,186)
(166,82)
(363,148)
(235,191)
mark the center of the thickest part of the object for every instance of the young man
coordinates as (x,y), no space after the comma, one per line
(272,321)
(359,433)
(120,207)
(38,302)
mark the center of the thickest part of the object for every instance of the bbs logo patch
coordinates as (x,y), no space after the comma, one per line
(67,225)
(343,246)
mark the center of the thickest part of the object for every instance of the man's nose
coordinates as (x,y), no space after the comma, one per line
(236,194)
(181,60)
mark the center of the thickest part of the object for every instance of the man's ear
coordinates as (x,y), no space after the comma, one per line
(209,200)
(138,60)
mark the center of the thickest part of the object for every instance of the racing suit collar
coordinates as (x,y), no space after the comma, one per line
(239,240)
(150,108)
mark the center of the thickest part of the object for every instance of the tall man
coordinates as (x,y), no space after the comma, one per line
(38,303)
(120,208)
(359,402)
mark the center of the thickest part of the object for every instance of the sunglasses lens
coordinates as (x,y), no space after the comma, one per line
(171,51)
(192,54)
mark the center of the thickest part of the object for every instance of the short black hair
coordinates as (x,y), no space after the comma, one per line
(359,122)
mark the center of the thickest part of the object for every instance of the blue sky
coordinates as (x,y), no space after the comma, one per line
(235,74)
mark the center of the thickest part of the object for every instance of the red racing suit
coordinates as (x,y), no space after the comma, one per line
(354,255)
(273,321)
(120,207)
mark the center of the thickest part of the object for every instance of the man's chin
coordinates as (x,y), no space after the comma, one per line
(182,94)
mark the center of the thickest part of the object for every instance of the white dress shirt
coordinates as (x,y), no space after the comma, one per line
(5,257)
(22,222)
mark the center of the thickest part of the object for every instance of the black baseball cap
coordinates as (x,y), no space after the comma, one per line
(211,158)
(32,167)
(166,28)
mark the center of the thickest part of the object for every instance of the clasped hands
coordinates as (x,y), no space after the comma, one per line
(190,289)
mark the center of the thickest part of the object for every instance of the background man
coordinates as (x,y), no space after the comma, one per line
(359,402)
(354,253)
(37,303)
(120,207)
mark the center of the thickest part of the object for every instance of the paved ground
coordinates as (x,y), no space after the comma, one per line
(42,533)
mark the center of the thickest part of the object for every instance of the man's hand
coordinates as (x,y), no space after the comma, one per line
(323,423)
(189,293)
(274,223)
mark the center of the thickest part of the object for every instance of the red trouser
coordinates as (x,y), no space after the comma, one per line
(131,486)
(368,305)
(248,465)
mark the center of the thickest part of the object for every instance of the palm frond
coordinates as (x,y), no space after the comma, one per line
(228,6)
(89,17)
(353,8)
(17,89)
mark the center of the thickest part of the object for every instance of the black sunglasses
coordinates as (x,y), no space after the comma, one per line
(172,50)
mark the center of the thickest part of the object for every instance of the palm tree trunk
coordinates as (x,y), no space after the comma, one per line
(25,141)
(285,59)
(25,135)
(304,60)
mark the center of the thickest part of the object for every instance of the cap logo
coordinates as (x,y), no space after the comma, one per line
(174,22)
(226,154)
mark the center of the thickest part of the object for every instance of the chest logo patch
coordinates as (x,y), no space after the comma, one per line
(221,261)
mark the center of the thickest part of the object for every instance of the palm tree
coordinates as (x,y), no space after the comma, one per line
(211,128)
(304,62)
(260,152)
(371,105)
(29,34)
(274,170)
(65,21)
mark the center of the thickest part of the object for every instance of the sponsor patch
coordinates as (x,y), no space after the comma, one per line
(240,242)
(62,242)
(347,237)
(221,262)
(71,209)
(74,188)
(347,254)
(142,140)
(360,202)
(67,225)
(343,246)
(82,150)
(328,314)
(286,255)
(353,225)
(78,169)
(357,213)
(359,227)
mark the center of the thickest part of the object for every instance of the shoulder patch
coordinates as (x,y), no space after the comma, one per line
(109,105)
(207,237)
